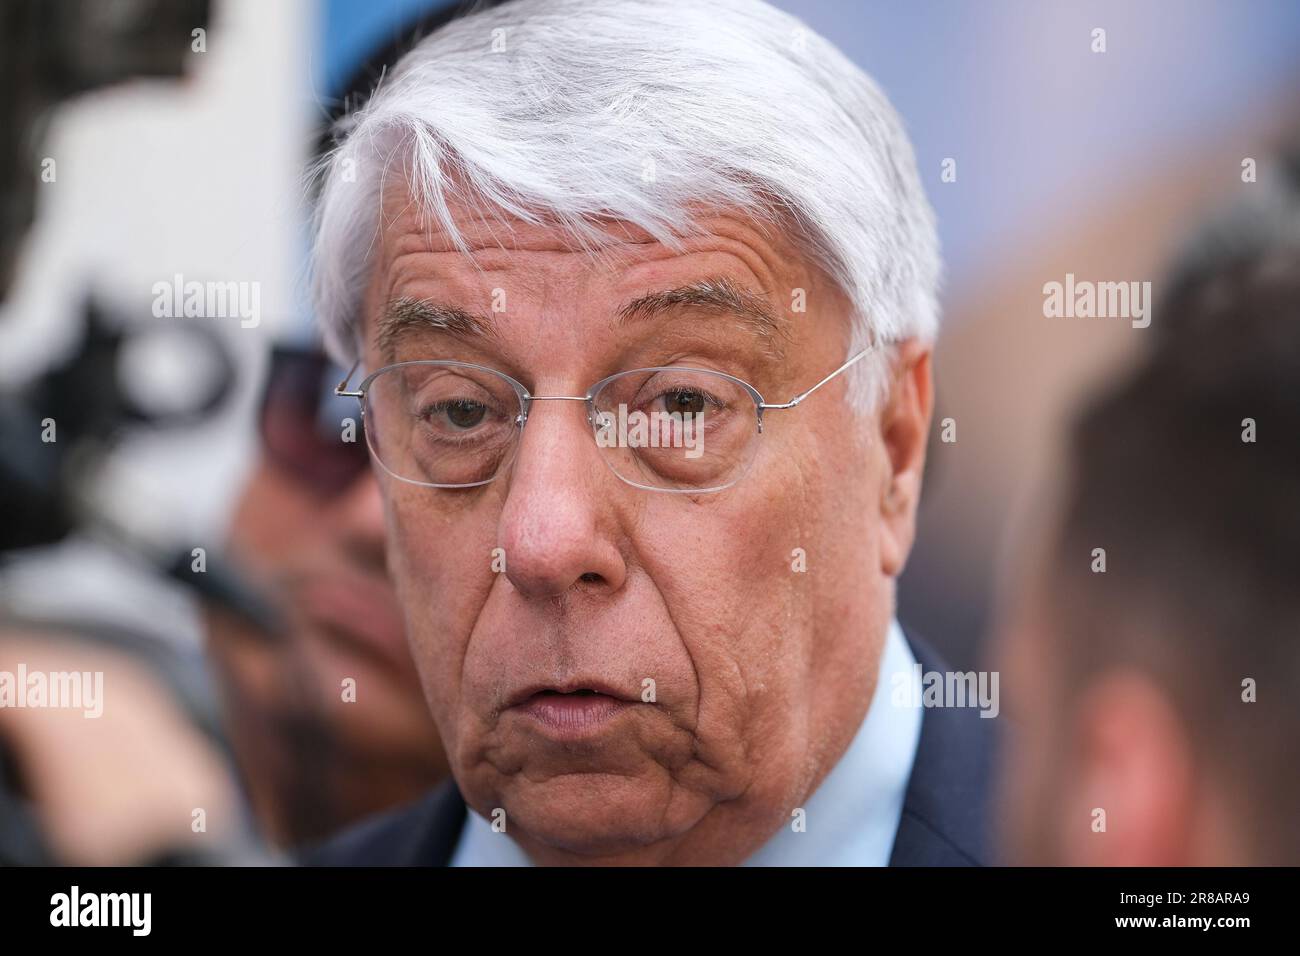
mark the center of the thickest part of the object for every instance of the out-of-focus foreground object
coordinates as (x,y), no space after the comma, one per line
(51,50)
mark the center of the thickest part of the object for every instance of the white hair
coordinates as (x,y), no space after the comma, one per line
(575,112)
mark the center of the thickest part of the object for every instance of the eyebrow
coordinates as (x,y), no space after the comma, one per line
(720,296)
(405,315)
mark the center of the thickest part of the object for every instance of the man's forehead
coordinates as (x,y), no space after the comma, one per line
(731,266)
(486,229)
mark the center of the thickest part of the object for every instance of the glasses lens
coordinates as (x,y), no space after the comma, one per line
(442,423)
(677,429)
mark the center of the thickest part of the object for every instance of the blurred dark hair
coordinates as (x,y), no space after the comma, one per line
(1201,530)
(1263,222)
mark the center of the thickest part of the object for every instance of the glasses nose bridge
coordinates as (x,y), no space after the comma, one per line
(529,399)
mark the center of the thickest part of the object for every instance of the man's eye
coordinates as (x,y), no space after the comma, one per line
(684,400)
(461,413)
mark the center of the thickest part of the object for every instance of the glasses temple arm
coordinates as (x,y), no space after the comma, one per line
(341,389)
(799,398)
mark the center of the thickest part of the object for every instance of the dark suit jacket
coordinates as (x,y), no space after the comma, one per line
(945,818)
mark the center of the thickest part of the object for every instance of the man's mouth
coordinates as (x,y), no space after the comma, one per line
(571,712)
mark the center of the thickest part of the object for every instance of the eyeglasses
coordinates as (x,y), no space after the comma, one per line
(445,424)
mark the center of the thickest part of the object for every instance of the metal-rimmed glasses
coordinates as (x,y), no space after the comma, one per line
(448,424)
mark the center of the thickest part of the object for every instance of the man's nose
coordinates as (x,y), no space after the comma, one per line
(558,526)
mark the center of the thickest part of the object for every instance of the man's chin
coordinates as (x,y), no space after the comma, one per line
(595,815)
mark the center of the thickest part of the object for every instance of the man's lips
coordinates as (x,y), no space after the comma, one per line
(575,687)
(572,710)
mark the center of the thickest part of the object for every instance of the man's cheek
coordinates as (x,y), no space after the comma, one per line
(734,635)
(439,582)
(434,542)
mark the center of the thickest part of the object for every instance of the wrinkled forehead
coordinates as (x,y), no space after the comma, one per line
(727,264)
(478,225)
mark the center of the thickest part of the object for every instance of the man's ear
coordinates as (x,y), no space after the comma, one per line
(904,431)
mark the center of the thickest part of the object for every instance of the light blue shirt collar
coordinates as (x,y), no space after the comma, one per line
(850,820)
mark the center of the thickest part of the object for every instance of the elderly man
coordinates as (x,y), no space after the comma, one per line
(640,297)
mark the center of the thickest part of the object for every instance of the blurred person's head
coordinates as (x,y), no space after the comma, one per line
(1262,222)
(309,530)
(1156,698)
(613,632)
